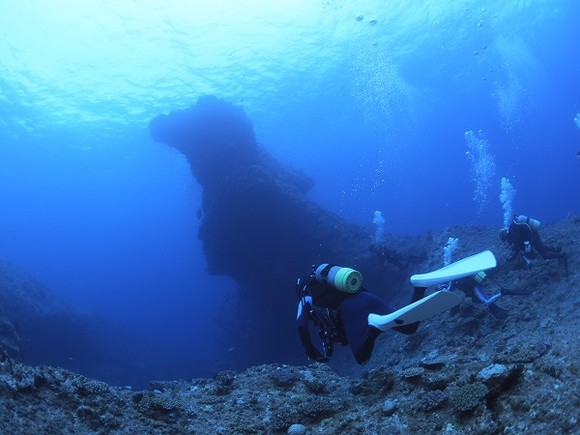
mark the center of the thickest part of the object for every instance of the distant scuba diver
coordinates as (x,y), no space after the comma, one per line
(334,300)
(524,237)
(334,310)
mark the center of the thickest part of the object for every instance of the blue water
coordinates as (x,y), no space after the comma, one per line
(373,99)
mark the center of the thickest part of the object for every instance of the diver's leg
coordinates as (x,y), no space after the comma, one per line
(354,314)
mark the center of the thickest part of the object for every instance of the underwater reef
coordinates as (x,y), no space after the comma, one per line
(463,373)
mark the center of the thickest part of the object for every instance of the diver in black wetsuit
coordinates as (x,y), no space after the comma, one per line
(524,238)
(341,315)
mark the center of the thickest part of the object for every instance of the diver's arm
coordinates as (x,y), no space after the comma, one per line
(516,243)
(302,320)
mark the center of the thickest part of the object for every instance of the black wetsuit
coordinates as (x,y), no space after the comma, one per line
(520,235)
(347,315)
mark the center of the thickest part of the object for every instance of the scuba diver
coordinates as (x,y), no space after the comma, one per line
(524,238)
(472,286)
(334,300)
(339,312)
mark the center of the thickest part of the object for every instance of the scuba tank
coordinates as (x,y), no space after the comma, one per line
(343,279)
(523,219)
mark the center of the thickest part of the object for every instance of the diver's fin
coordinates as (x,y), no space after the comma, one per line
(406,319)
(516,292)
(460,269)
